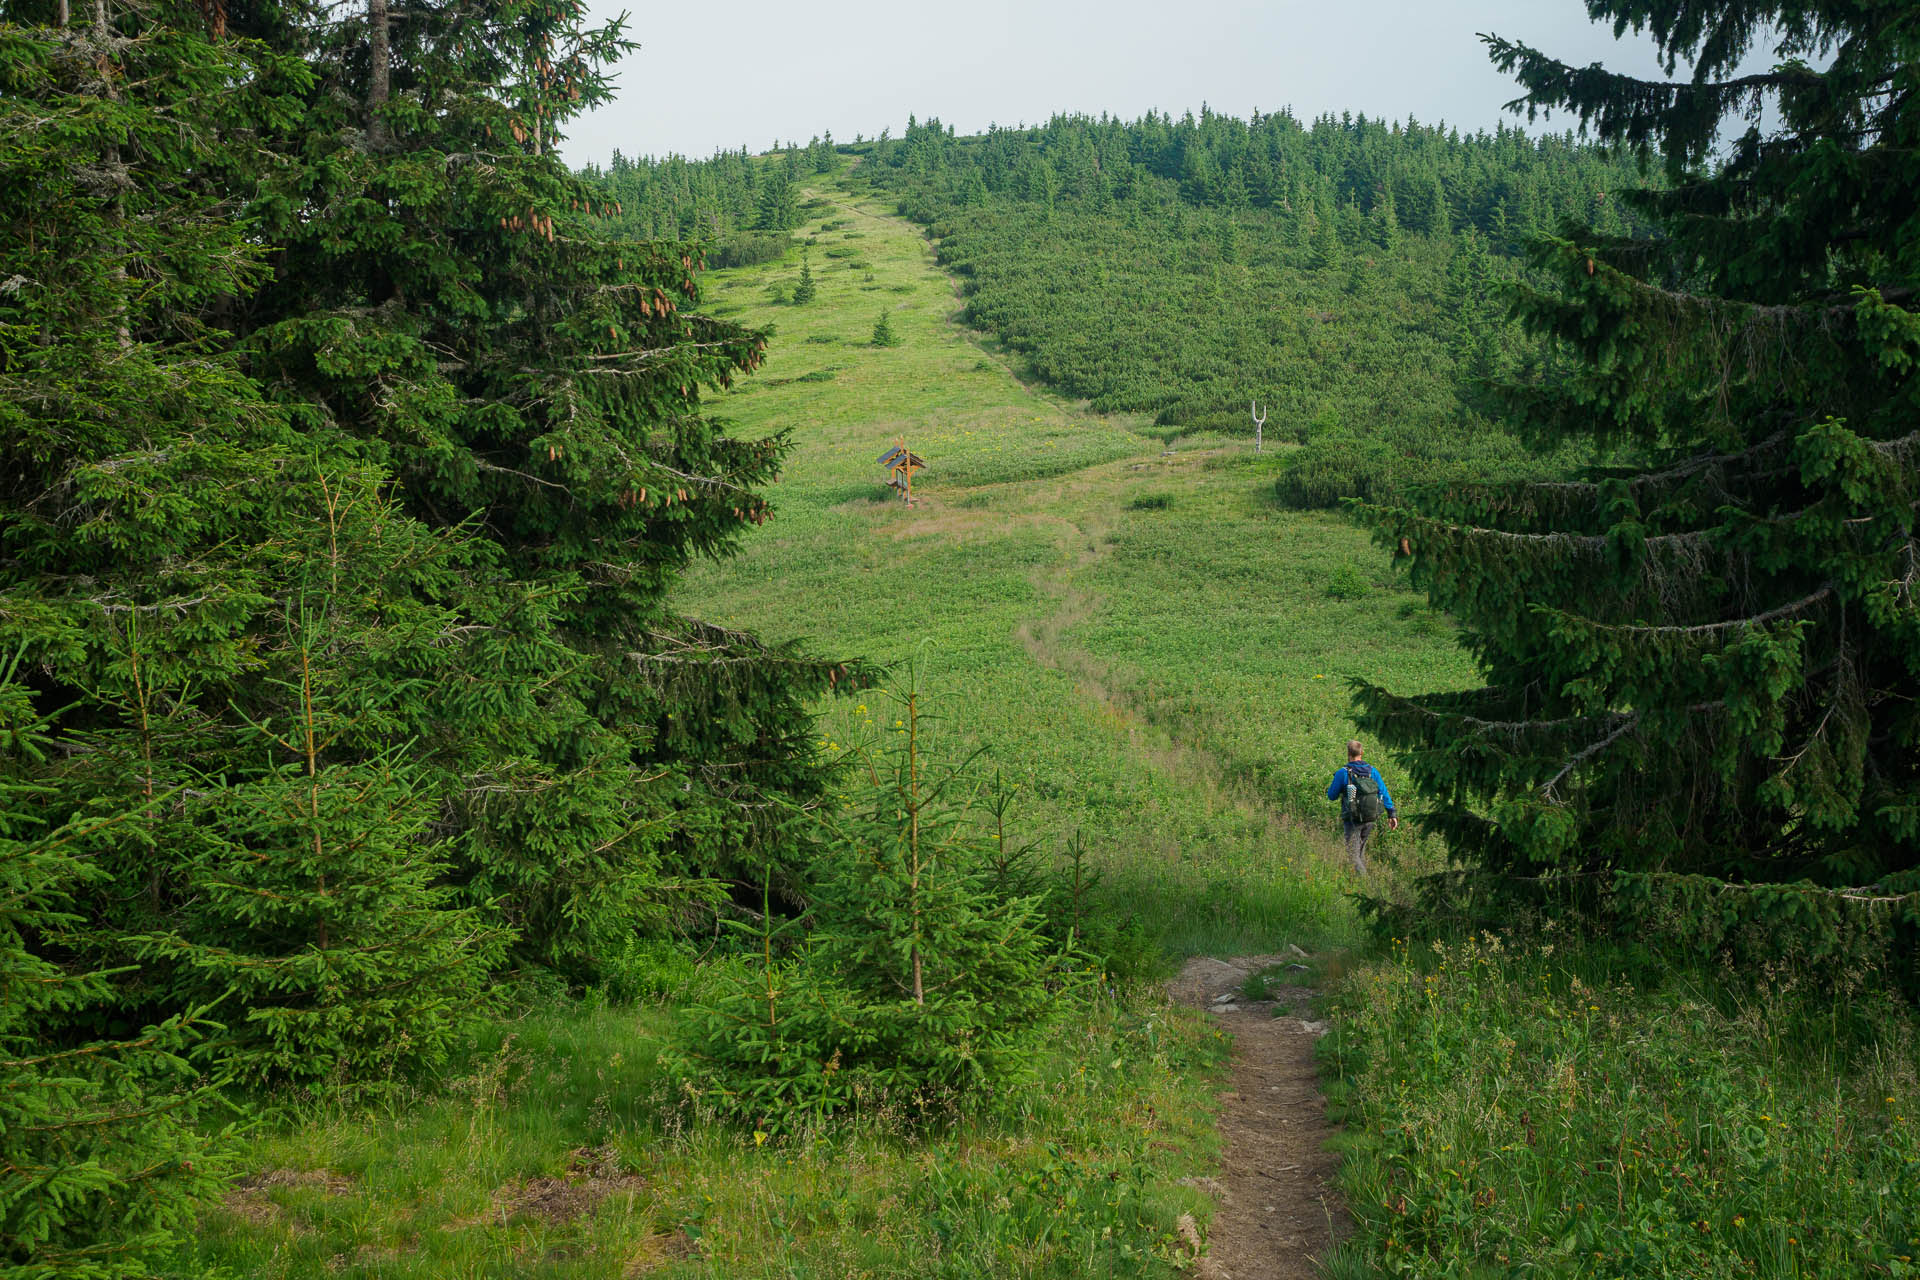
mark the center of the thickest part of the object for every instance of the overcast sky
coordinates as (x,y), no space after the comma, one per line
(754,72)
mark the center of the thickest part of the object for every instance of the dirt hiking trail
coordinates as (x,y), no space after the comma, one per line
(1278,1212)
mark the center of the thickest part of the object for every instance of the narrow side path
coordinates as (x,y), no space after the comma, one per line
(1278,1211)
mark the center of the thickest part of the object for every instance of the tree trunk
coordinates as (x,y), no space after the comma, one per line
(380,70)
(102,41)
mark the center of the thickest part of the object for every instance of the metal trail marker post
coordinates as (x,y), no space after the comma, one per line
(1259,424)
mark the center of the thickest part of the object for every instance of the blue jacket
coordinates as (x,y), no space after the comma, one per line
(1338,789)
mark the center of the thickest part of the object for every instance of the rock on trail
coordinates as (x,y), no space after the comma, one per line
(1278,1212)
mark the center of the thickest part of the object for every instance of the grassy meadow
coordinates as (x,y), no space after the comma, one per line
(1146,643)
(1535,1106)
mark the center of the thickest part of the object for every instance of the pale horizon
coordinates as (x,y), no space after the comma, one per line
(857,67)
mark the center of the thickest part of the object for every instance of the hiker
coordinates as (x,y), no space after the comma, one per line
(1363,797)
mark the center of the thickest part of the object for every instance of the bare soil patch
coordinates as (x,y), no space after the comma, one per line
(1277,1210)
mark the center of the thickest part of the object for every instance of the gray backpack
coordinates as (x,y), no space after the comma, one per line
(1363,794)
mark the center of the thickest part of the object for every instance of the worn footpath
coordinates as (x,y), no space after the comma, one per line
(1278,1212)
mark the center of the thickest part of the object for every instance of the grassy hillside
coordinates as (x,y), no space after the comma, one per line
(1152,648)
(557,1154)
(1345,272)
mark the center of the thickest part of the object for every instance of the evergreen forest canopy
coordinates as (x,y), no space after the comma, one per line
(1703,669)
(346,454)
(1345,272)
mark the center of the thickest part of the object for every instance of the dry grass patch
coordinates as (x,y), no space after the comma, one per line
(253,1199)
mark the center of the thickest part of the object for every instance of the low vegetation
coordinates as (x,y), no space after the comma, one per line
(1538,1105)
(1345,274)
(560,1148)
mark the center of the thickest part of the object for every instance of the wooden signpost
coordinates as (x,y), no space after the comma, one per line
(901,464)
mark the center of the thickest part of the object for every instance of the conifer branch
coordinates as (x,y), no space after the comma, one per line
(1684,470)
(1697,629)
(655,353)
(481,464)
(1864,894)
(1626,726)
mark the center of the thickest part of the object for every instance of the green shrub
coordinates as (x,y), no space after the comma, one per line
(1257,986)
(749,250)
(1327,470)
(1208,415)
(883,332)
(1347,582)
(648,969)
(1151,502)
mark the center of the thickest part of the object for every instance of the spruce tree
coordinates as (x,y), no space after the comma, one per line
(535,382)
(924,975)
(775,208)
(102,1163)
(1383,223)
(313,900)
(1473,317)
(134,455)
(1704,659)
(310,417)
(805,291)
(821,153)
(163,519)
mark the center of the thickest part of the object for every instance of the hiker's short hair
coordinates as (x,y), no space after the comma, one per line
(1353,748)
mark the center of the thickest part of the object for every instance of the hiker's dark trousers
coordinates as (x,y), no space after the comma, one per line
(1358,833)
